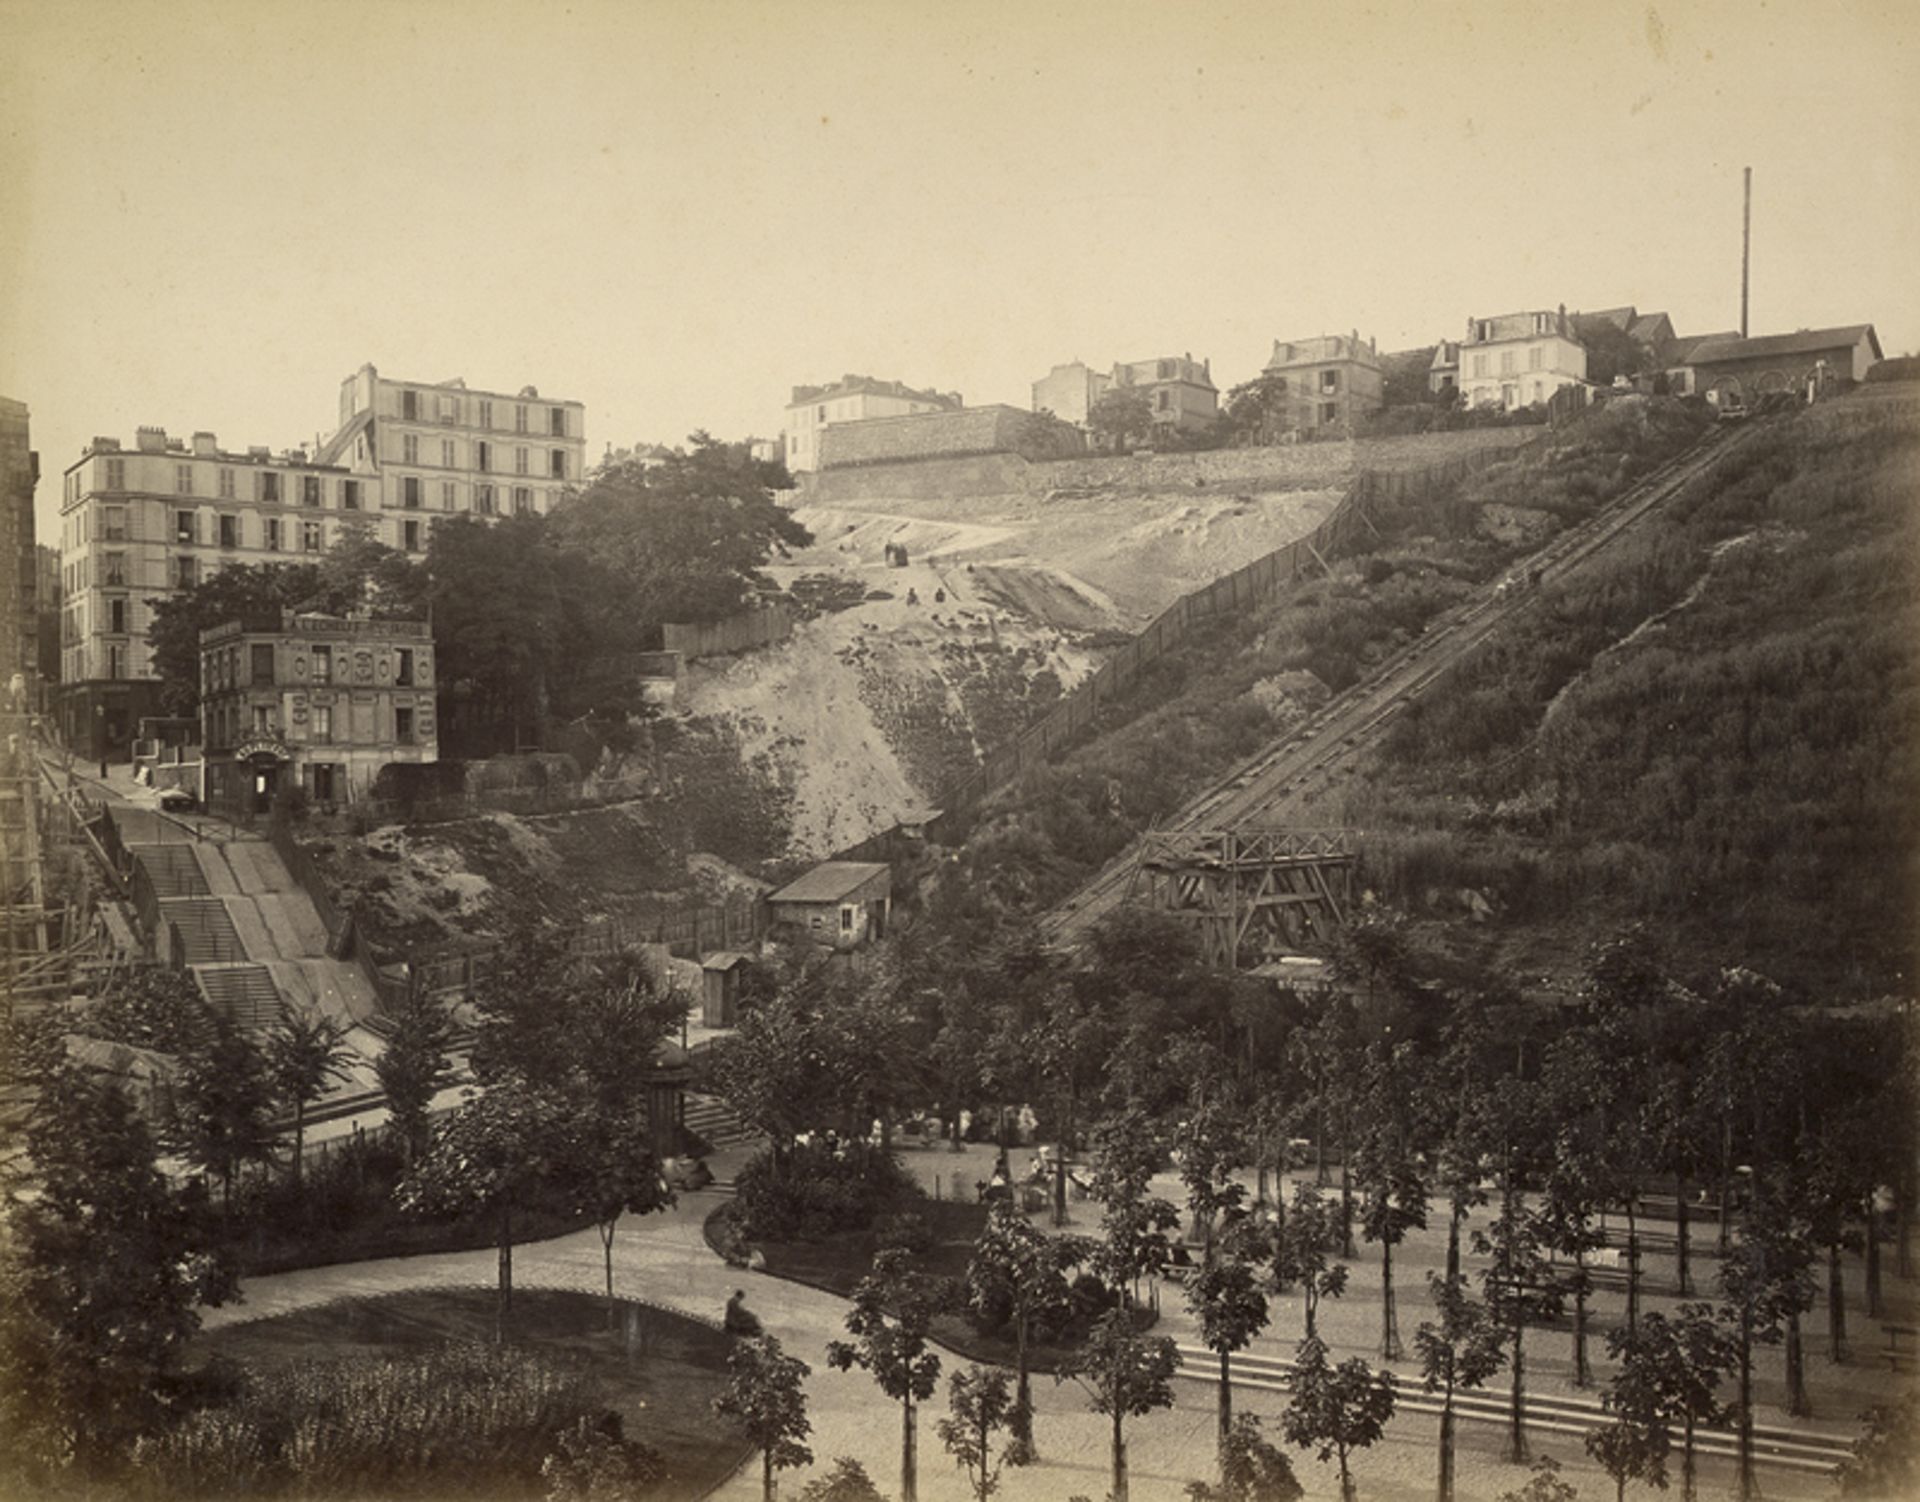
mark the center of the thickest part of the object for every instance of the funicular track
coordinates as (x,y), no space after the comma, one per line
(1349,723)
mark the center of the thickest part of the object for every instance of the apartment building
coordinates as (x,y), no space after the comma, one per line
(852,398)
(19,570)
(1178,388)
(442,449)
(319,701)
(1520,359)
(1331,381)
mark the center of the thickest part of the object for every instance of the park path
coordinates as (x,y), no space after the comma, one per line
(665,1260)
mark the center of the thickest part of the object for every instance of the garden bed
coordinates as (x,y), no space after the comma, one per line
(659,1371)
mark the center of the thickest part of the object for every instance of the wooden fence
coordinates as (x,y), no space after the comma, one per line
(737,633)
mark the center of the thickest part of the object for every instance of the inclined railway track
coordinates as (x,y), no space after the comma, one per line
(1288,767)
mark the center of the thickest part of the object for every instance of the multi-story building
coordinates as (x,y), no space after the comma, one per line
(1520,359)
(138,524)
(19,570)
(444,450)
(319,701)
(1179,389)
(1443,374)
(852,398)
(1331,381)
(1069,391)
(47,601)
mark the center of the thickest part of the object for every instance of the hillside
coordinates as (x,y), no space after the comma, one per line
(1710,730)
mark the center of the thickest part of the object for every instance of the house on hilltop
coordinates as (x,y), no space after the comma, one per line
(1178,389)
(841,904)
(852,398)
(1520,359)
(1330,381)
(1727,366)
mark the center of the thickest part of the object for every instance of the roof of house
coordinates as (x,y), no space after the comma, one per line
(1646,328)
(865,385)
(1686,344)
(1803,342)
(1324,348)
(830,881)
(1621,318)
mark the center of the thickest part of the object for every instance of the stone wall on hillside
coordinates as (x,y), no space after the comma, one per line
(922,435)
(926,480)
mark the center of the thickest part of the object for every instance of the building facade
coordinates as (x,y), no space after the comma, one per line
(434,450)
(1519,359)
(1179,390)
(838,904)
(1727,367)
(852,398)
(1331,381)
(1443,375)
(19,562)
(1069,391)
(317,701)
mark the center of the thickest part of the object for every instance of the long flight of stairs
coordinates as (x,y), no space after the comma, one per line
(713,1120)
(172,870)
(209,943)
(207,934)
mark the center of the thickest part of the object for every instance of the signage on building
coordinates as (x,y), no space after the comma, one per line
(263,748)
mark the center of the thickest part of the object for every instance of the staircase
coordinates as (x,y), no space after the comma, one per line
(713,1120)
(245,994)
(172,870)
(207,934)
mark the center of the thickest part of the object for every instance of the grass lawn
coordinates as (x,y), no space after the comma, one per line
(659,1371)
(837,1265)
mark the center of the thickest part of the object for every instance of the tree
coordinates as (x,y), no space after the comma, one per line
(151,1006)
(240,591)
(1125,1375)
(1336,1410)
(102,1271)
(1133,1223)
(1303,1252)
(1458,1354)
(1573,1196)
(617,1174)
(414,1068)
(1394,1201)
(1629,1452)
(1671,1367)
(1020,1269)
(1543,1485)
(305,1052)
(1757,1277)
(1263,411)
(1519,1289)
(1224,1295)
(1255,1469)
(1885,1462)
(766,1394)
(1121,417)
(891,1321)
(592,1462)
(223,1105)
(981,1404)
(846,1482)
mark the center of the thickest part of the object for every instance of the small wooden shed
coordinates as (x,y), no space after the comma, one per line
(842,904)
(720,974)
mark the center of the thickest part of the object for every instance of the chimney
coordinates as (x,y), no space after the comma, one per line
(151,440)
(203,444)
(259,451)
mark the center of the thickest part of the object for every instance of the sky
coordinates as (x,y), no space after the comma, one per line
(212,211)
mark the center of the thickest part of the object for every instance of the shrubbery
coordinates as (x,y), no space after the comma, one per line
(819,1192)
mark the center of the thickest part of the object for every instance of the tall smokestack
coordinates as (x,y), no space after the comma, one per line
(1746,249)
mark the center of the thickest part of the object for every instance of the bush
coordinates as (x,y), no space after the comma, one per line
(818,1192)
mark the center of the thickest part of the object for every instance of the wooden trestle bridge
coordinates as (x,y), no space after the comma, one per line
(1251,894)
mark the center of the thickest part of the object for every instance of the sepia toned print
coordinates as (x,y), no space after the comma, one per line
(956,752)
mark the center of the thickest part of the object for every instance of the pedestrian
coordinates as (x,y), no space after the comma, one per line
(103,769)
(739,1320)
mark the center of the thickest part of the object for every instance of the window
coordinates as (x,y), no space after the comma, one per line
(559,464)
(114,567)
(403,666)
(447,413)
(183,478)
(262,653)
(482,456)
(823,414)
(321,774)
(272,541)
(410,405)
(312,538)
(519,461)
(846,918)
(183,526)
(262,716)
(1507,362)
(269,485)
(410,531)
(446,495)
(483,499)
(558,418)
(116,662)
(310,490)
(322,726)
(322,663)
(520,418)
(186,573)
(116,474)
(522,500)
(1329,412)
(486,414)
(117,617)
(403,726)
(226,484)
(1537,357)
(410,448)
(1480,366)
(1329,380)
(410,492)
(113,522)
(350,495)
(229,531)
(446,453)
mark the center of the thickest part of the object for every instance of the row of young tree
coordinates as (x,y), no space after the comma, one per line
(1431,1100)
(534,617)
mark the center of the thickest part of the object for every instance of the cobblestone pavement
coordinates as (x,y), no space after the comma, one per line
(664,1259)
